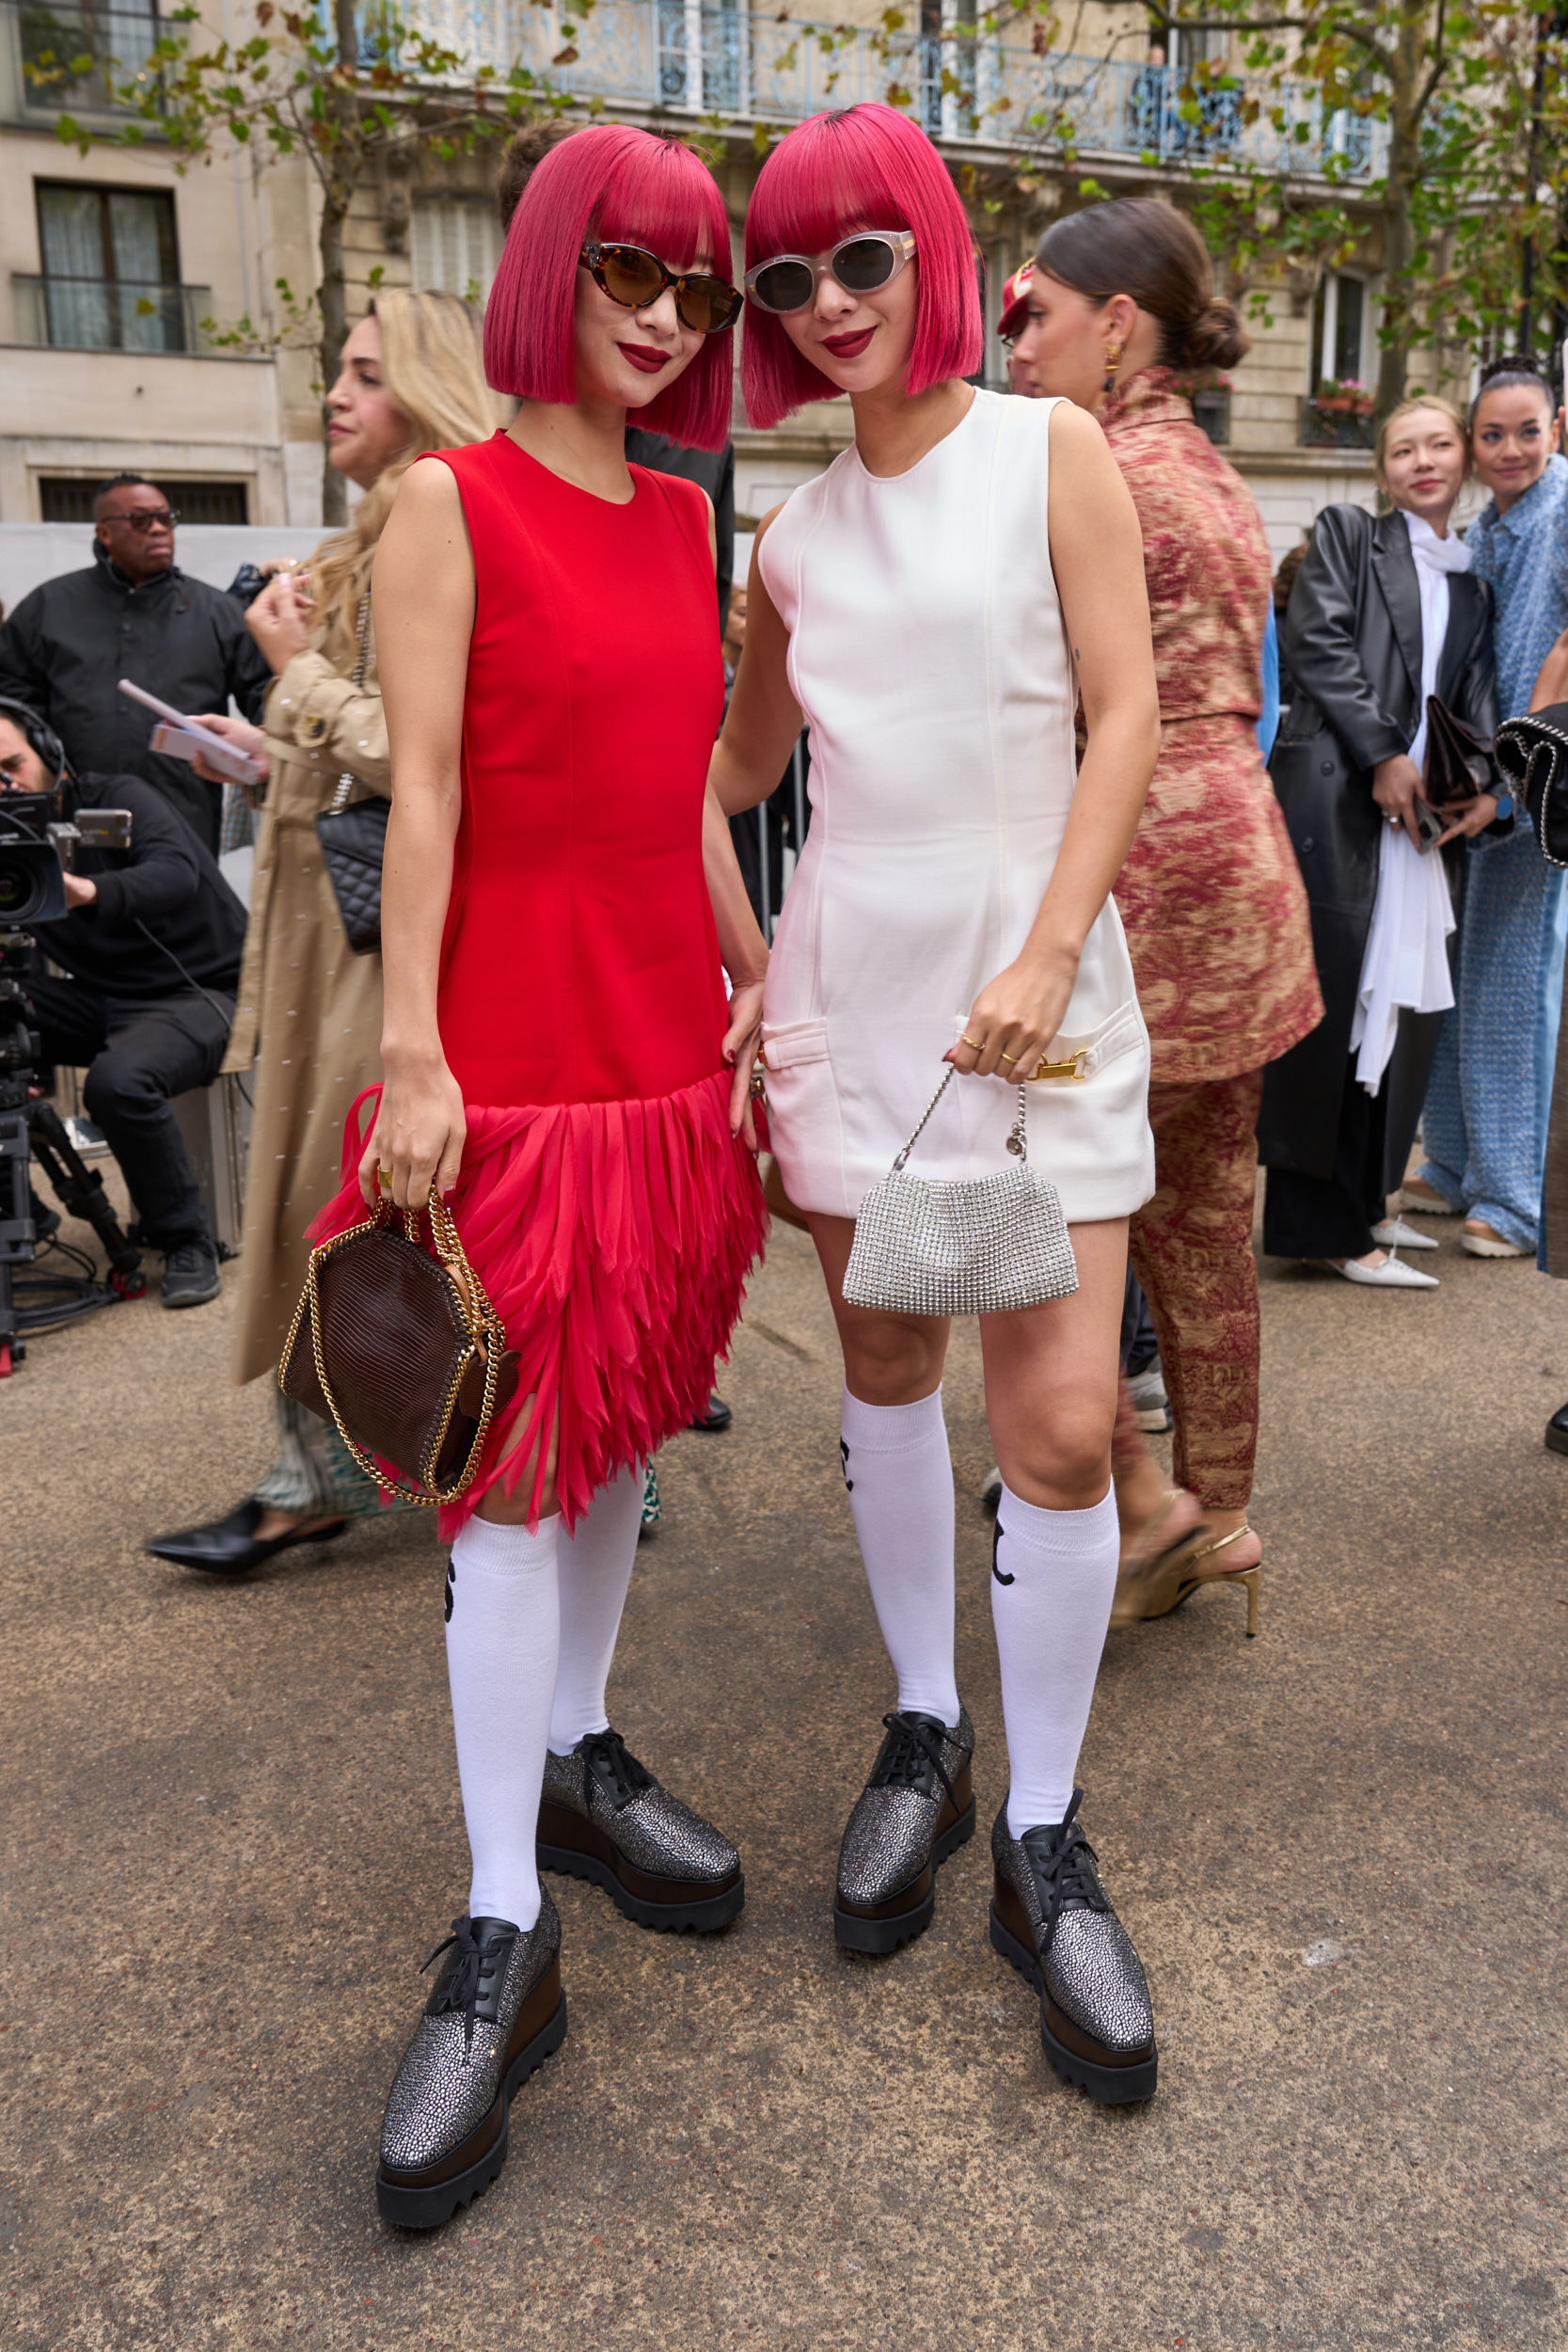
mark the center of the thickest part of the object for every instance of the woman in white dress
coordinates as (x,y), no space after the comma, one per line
(934,606)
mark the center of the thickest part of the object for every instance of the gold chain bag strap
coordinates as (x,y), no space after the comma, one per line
(978,1247)
(402,1350)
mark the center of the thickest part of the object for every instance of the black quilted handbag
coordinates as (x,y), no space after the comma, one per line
(353,843)
(1533,755)
(354,839)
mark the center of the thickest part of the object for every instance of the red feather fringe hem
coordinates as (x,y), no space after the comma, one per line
(615,1240)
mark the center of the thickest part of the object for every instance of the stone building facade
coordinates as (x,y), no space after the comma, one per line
(111,262)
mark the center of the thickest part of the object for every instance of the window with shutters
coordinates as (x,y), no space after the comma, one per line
(457,245)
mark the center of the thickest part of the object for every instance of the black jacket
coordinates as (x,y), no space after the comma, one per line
(168,879)
(66,646)
(1352,641)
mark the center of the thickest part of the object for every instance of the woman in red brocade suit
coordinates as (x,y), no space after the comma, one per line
(1122,297)
(561,1064)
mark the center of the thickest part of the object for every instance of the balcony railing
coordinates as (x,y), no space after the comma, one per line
(109,314)
(74,58)
(1334,425)
(693,56)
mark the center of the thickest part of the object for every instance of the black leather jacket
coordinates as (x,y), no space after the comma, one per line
(1352,641)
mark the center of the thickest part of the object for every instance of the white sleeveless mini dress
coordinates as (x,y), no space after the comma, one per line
(927,651)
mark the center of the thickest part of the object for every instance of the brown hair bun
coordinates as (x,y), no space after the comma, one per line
(1142,247)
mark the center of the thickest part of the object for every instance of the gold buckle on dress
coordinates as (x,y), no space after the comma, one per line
(1075,1067)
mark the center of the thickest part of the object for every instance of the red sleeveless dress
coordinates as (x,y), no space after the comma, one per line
(602,1200)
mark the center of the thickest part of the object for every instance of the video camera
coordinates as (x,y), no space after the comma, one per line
(36,853)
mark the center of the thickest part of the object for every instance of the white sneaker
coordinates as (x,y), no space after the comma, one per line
(1149,1400)
(1390,1276)
(1394,1233)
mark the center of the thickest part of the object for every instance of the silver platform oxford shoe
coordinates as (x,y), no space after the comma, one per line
(917,1808)
(497,2012)
(1051,1916)
(604,1817)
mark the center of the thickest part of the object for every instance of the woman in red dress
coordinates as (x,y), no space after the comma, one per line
(561,1062)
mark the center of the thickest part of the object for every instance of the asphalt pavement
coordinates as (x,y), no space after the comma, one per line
(232,1833)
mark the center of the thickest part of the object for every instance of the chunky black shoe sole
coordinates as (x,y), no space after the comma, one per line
(1112,2085)
(701,1916)
(426,2208)
(859,1934)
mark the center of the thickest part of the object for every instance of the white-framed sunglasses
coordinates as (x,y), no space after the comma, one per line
(870,259)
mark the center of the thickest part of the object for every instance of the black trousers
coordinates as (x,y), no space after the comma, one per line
(137,1056)
(1332,1217)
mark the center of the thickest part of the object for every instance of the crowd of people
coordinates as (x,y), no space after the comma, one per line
(1121,860)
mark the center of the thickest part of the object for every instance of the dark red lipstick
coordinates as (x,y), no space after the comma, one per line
(646,356)
(847,347)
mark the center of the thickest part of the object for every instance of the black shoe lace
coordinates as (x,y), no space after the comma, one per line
(1063,1862)
(912,1747)
(460,1989)
(610,1760)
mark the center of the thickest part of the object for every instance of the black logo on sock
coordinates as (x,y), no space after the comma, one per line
(844,1465)
(452,1584)
(995,1540)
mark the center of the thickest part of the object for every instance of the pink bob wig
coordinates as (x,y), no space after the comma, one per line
(609,181)
(867,167)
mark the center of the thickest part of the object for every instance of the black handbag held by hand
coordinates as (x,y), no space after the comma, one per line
(1533,755)
(1458,760)
(353,840)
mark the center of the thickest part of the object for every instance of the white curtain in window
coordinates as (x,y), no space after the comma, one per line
(457,244)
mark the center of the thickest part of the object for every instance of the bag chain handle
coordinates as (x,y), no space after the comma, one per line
(1018,1139)
(347,781)
(485,1330)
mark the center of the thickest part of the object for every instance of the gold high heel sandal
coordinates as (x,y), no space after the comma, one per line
(1251,1577)
(1154,1578)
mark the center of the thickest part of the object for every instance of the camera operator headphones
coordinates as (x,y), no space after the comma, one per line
(41,736)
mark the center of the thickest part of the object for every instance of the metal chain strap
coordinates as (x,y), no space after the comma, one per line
(347,781)
(1018,1141)
(484,1330)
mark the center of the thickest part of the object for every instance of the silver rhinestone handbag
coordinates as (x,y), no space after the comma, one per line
(979,1248)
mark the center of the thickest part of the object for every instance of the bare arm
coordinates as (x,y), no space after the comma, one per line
(764,717)
(1097,556)
(423,592)
(1551,686)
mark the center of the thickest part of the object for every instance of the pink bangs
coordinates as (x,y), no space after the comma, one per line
(610,181)
(866,167)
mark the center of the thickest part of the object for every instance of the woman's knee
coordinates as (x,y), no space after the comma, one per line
(1060,1459)
(888,1360)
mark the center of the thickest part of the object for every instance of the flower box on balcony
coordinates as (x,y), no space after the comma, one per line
(1337,422)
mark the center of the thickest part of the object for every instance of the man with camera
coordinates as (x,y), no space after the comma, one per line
(149,947)
(135,614)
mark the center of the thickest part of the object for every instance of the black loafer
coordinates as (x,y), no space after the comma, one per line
(1556,1431)
(230,1546)
(716,1417)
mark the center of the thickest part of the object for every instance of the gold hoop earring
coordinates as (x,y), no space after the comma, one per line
(1113,361)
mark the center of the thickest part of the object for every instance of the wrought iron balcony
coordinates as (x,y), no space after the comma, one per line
(695,57)
(109,314)
(74,58)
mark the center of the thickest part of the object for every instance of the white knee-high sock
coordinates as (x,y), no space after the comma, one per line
(1053,1576)
(900,1479)
(594,1567)
(503,1629)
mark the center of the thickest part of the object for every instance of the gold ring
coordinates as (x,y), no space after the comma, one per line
(975,1044)
(1009,1057)
(384,1178)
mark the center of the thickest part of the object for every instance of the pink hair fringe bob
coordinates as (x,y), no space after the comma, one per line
(867,167)
(609,181)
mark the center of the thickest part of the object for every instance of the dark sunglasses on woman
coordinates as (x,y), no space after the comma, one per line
(861,264)
(634,277)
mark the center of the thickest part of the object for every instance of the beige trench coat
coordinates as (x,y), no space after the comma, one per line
(309,1011)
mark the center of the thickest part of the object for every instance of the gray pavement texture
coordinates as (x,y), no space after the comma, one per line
(233,1832)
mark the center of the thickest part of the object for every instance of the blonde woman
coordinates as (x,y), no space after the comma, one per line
(1384,613)
(411,379)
